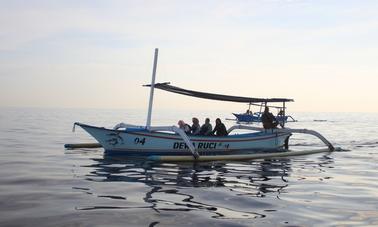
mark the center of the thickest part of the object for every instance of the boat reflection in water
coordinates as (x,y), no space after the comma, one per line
(225,190)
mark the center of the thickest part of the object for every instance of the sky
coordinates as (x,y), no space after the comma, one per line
(98,54)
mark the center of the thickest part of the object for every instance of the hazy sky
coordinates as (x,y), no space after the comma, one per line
(323,54)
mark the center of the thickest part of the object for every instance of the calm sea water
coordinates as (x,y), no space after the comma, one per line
(42,184)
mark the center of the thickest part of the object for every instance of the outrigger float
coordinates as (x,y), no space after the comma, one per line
(170,143)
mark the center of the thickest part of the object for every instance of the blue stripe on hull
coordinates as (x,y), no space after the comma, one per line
(188,153)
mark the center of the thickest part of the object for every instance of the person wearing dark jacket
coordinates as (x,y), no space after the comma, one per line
(268,120)
(219,129)
(206,128)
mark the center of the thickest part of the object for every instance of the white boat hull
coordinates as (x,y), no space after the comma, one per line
(141,142)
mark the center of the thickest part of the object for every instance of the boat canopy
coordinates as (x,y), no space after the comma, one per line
(219,97)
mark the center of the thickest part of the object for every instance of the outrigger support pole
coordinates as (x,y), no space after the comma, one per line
(182,134)
(124,125)
(288,130)
(165,128)
(314,133)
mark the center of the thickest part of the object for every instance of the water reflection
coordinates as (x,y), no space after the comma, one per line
(223,189)
(260,174)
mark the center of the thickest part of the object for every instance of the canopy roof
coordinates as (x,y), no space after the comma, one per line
(219,97)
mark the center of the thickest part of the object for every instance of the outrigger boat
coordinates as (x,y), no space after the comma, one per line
(255,117)
(173,144)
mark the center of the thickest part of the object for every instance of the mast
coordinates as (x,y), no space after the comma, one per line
(283,115)
(148,123)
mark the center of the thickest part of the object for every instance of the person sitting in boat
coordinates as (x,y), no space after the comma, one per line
(195,130)
(268,119)
(184,126)
(207,128)
(219,129)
